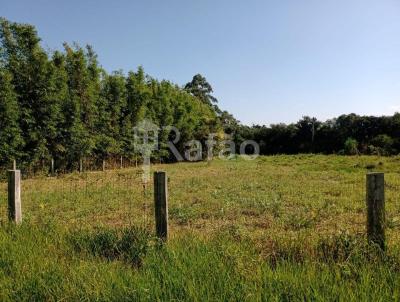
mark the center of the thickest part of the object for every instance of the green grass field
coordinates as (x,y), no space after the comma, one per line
(279,228)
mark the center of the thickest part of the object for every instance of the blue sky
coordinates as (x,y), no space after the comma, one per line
(268,61)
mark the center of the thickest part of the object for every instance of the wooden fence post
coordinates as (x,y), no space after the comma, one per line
(376,209)
(14,196)
(104,165)
(122,163)
(161,204)
(80,165)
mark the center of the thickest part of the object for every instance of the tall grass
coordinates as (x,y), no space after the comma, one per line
(48,264)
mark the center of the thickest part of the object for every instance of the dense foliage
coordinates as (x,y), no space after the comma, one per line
(63,105)
(349,134)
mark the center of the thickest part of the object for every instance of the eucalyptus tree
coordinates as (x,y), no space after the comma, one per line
(200,88)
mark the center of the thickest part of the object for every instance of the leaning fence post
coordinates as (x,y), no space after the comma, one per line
(376,209)
(161,204)
(14,196)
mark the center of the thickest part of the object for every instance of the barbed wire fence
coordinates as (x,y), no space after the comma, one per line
(116,196)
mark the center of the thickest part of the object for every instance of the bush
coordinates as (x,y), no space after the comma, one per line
(383,144)
(351,146)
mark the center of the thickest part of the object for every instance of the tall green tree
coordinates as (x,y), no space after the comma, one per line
(110,117)
(83,92)
(68,107)
(58,147)
(35,85)
(200,88)
(11,141)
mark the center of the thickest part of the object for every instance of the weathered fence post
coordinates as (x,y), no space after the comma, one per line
(122,163)
(14,196)
(161,204)
(80,165)
(104,165)
(14,164)
(376,209)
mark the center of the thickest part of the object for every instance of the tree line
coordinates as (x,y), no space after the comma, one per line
(63,105)
(347,134)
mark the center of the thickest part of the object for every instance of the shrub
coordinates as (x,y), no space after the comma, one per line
(351,146)
(383,144)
